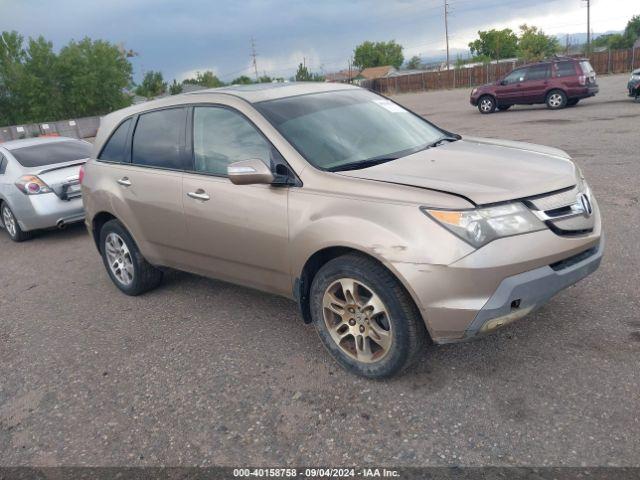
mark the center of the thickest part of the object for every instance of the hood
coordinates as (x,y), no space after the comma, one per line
(481,170)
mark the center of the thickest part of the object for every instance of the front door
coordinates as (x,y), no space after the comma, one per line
(235,232)
(509,91)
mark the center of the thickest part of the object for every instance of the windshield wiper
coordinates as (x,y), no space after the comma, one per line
(439,142)
(362,164)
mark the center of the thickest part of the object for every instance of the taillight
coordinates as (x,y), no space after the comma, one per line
(81,174)
(582,79)
(32,185)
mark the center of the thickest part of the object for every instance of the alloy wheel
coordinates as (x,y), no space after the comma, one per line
(357,320)
(555,100)
(119,258)
(9,221)
(486,105)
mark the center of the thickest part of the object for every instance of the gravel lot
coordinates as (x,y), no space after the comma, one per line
(201,372)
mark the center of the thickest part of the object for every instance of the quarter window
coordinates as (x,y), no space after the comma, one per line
(222,136)
(3,164)
(158,139)
(114,150)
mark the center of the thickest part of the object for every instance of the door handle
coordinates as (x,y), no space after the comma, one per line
(199,195)
(124,181)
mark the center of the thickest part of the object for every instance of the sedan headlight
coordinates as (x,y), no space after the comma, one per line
(482,225)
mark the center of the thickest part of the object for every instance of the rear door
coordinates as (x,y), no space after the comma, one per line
(143,166)
(510,89)
(535,83)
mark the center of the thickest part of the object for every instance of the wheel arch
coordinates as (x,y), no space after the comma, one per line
(302,283)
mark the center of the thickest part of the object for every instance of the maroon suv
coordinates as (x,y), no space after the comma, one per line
(559,83)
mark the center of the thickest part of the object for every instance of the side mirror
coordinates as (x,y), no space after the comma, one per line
(249,172)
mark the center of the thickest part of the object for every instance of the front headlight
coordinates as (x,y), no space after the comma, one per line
(482,225)
(474,91)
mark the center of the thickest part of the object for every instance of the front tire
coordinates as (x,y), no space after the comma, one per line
(486,104)
(365,318)
(11,225)
(126,266)
(556,99)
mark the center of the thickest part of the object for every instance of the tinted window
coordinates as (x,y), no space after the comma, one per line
(515,77)
(539,72)
(51,153)
(221,137)
(157,140)
(114,150)
(3,164)
(566,69)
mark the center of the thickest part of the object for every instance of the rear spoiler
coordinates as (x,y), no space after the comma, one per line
(63,165)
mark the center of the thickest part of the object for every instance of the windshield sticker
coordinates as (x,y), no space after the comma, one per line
(389,105)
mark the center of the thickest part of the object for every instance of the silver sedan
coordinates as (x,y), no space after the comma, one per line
(40,184)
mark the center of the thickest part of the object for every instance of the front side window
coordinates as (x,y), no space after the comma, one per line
(51,153)
(514,77)
(114,150)
(348,129)
(158,139)
(539,72)
(222,136)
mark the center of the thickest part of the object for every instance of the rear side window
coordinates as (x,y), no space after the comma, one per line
(3,164)
(158,139)
(114,150)
(539,72)
(566,69)
(51,153)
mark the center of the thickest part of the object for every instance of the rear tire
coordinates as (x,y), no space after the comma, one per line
(11,225)
(487,104)
(126,266)
(556,99)
(572,101)
(365,318)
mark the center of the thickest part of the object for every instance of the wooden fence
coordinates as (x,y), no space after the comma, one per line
(611,61)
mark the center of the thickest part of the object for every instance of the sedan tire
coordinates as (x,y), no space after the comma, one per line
(11,225)
(365,318)
(126,266)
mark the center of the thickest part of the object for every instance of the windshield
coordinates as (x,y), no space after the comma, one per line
(51,153)
(338,129)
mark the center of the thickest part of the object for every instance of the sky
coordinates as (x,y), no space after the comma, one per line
(179,38)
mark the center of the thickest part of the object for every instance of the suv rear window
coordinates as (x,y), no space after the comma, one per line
(113,151)
(51,153)
(587,69)
(158,139)
(566,69)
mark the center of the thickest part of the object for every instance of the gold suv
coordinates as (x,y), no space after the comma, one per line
(385,229)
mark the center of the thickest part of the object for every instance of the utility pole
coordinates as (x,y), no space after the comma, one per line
(254,55)
(446,28)
(588,25)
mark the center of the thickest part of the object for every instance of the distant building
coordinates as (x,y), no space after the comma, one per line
(343,76)
(377,72)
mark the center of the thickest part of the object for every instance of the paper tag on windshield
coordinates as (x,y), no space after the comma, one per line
(389,105)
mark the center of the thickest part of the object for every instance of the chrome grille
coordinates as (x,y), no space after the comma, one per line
(566,213)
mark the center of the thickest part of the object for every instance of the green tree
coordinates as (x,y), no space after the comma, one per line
(242,80)
(414,63)
(495,44)
(265,79)
(612,40)
(93,76)
(535,45)
(153,85)
(632,30)
(12,58)
(42,93)
(175,88)
(205,79)
(304,75)
(370,54)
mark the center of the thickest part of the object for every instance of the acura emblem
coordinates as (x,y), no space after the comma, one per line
(584,202)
